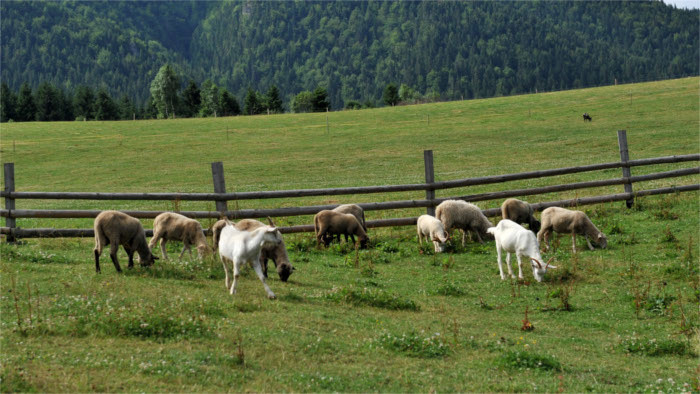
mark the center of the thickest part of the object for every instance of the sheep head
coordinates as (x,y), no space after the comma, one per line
(602,240)
(284,271)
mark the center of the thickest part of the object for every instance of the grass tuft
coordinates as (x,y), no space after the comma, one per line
(377,298)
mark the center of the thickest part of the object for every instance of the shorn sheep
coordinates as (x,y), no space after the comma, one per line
(241,247)
(331,223)
(116,228)
(275,252)
(571,222)
(520,212)
(354,210)
(433,230)
(465,216)
(171,226)
(514,238)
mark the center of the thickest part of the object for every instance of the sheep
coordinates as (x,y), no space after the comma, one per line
(520,212)
(354,210)
(275,252)
(332,222)
(564,220)
(431,228)
(172,226)
(465,216)
(116,228)
(514,238)
(241,247)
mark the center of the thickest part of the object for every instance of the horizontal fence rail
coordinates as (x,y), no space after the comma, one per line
(311,210)
(12,232)
(76,233)
(345,190)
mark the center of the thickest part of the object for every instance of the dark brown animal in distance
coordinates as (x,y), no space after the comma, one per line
(587,117)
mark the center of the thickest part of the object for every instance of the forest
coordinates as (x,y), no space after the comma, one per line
(352,50)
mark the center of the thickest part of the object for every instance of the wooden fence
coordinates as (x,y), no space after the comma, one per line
(430,202)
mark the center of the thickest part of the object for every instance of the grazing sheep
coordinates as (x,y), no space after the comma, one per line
(331,222)
(170,226)
(465,216)
(571,222)
(514,238)
(275,252)
(241,247)
(520,212)
(354,210)
(431,228)
(587,117)
(116,228)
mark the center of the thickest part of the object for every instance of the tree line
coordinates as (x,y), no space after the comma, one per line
(354,50)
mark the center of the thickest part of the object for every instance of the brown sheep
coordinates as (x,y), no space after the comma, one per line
(116,228)
(331,223)
(520,212)
(171,226)
(571,222)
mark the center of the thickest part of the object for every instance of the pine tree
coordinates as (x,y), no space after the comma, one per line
(47,103)
(191,99)
(391,95)
(209,98)
(125,108)
(84,103)
(252,105)
(8,103)
(26,108)
(228,104)
(105,109)
(319,99)
(273,102)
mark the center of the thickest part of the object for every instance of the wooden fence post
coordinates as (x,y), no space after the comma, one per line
(10,202)
(217,172)
(429,178)
(624,158)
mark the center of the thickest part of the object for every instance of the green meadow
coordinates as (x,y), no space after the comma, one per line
(393,318)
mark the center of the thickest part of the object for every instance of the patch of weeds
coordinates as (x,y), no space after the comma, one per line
(426,249)
(525,360)
(446,262)
(372,297)
(654,347)
(315,382)
(386,247)
(629,239)
(658,304)
(246,307)
(664,214)
(368,282)
(303,245)
(10,254)
(668,236)
(614,228)
(563,294)
(450,288)
(341,249)
(415,344)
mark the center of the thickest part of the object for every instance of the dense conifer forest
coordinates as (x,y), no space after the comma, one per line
(352,51)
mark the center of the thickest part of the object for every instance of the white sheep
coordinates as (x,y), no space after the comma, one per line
(171,226)
(514,238)
(520,212)
(465,216)
(241,247)
(116,228)
(571,222)
(331,223)
(432,229)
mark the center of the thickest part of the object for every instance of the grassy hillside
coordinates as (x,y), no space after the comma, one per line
(392,318)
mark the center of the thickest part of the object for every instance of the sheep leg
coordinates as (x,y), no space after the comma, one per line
(113,249)
(185,247)
(130,254)
(352,237)
(258,270)
(97,252)
(164,241)
(478,237)
(263,264)
(420,238)
(464,237)
(589,243)
(573,242)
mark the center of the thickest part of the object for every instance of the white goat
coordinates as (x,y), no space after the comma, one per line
(242,247)
(432,229)
(514,238)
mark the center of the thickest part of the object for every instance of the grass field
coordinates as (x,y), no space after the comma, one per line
(393,318)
